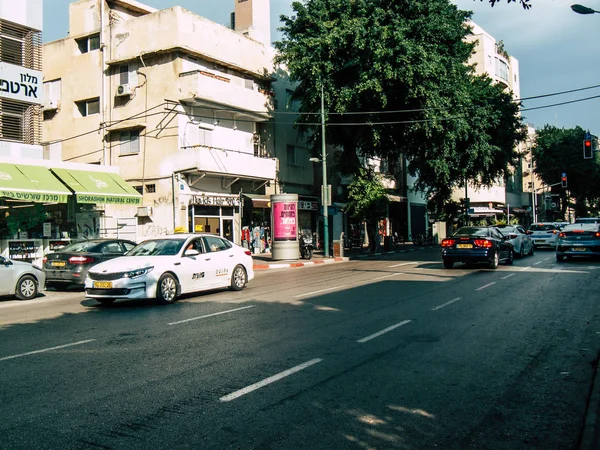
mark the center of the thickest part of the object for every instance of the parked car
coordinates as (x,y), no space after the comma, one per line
(166,267)
(519,238)
(20,278)
(578,239)
(477,245)
(70,264)
(544,234)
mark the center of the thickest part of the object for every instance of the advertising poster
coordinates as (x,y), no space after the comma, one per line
(88,225)
(284,221)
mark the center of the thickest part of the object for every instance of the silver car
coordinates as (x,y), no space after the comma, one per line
(519,238)
(21,279)
(544,234)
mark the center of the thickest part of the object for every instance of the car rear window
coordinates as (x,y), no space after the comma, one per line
(540,227)
(581,226)
(80,247)
(472,231)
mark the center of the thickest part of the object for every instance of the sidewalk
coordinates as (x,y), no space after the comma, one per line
(264,261)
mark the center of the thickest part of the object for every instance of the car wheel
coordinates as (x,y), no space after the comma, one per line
(495,261)
(448,264)
(105,301)
(27,288)
(166,291)
(239,278)
(560,258)
(511,259)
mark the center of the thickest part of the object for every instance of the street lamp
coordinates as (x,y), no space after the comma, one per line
(580,9)
(325,193)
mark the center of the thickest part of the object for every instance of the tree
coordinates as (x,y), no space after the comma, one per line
(524,3)
(395,81)
(559,150)
(368,201)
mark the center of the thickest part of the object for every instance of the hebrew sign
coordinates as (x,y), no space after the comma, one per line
(19,83)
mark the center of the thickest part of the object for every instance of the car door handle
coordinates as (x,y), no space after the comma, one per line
(177,264)
(231,256)
(207,259)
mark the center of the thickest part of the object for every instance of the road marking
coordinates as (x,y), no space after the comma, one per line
(319,291)
(539,262)
(508,276)
(211,315)
(485,286)
(446,304)
(548,258)
(404,264)
(47,349)
(373,336)
(266,381)
(387,276)
(525,268)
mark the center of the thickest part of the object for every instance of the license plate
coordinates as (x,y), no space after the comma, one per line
(464,245)
(579,249)
(103,284)
(58,264)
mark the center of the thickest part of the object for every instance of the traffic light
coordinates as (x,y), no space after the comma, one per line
(587,149)
(563,180)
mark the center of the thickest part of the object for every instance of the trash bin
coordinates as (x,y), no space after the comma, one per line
(338,249)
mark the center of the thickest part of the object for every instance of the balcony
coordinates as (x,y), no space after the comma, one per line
(205,88)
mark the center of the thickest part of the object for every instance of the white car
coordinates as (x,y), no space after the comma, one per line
(20,278)
(544,234)
(166,267)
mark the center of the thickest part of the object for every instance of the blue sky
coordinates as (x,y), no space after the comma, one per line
(555,48)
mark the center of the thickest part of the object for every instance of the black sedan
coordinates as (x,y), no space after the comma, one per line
(70,264)
(477,245)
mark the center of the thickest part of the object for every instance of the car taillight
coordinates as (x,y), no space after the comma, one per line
(248,252)
(562,235)
(597,234)
(554,231)
(80,260)
(44,259)
(483,243)
(448,242)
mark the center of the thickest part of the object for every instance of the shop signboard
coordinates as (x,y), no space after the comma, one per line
(284,221)
(20,83)
(215,200)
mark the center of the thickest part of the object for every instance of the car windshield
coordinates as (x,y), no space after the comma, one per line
(80,247)
(157,247)
(541,227)
(472,231)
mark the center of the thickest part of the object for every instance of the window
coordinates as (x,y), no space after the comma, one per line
(12,119)
(20,45)
(88,43)
(88,107)
(502,70)
(216,244)
(150,188)
(127,74)
(249,84)
(291,155)
(130,142)
(11,49)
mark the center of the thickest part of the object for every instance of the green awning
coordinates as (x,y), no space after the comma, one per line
(31,183)
(99,187)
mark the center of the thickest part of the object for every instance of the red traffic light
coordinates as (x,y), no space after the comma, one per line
(587,149)
(587,143)
(563,181)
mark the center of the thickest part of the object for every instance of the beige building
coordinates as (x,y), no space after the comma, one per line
(181,105)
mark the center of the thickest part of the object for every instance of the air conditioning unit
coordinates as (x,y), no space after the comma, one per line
(144,211)
(124,90)
(50,104)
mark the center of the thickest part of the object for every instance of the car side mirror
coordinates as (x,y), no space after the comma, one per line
(191,252)
(512,236)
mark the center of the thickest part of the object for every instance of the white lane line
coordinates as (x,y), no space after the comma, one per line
(525,268)
(210,315)
(404,264)
(373,336)
(266,381)
(485,286)
(546,259)
(539,262)
(508,276)
(445,304)
(387,276)
(46,349)
(319,291)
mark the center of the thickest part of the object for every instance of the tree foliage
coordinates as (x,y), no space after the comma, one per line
(524,3)
(559,150)
(395,80)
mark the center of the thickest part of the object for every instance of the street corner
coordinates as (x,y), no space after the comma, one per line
(266,265)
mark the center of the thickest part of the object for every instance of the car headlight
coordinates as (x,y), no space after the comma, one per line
(137,273)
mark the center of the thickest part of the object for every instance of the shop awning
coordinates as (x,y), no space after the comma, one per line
(99,187)
(31,183)
(259,200)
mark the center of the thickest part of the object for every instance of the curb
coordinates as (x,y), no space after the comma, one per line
(295,265)
(590,438)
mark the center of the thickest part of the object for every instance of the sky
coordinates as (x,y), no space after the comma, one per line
(556,49)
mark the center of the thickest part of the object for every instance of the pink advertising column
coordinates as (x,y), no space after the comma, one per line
(284,226)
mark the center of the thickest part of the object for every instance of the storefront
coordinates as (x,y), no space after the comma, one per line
(42,208)
(215,214)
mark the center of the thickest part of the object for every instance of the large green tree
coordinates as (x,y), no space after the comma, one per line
(395,79)
(560,150)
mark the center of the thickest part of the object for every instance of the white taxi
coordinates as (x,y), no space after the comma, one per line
(168,266)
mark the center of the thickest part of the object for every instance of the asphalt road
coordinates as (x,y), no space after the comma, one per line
(390,353)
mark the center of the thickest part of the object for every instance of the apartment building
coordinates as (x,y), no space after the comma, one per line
(181,105)
(490,57)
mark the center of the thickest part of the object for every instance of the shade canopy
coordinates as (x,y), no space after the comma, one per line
(31,183)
